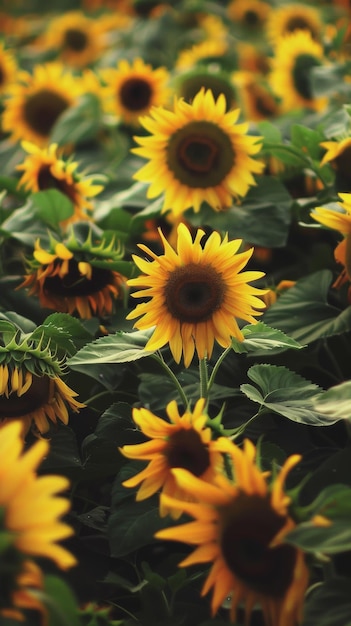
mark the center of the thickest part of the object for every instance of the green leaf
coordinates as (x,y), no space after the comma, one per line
(59,601)
(51,206)
(24,226)
(304,312)
(336,402)
(284,392)
(270,132)
(119,348)
(78,123)
(331,539)
(261,338)
(307,140)
(329,604)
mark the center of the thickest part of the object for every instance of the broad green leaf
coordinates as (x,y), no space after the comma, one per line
(329,604)
(51,206)
(304,312)
(270,132)
(284,392)
(331,539)
(336,401)
(25,226)
(307,140)
(78,123)
(119,348)
(261,338)
(59,601)
(334,501)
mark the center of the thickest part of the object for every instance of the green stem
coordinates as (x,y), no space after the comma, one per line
(203,378)
(244,426)
(172,376)
(216,368)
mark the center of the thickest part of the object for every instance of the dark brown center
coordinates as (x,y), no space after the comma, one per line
(42,110)
(37,396)
(47,181)
(75,40)
(135,94)
(73,284)
(185,449)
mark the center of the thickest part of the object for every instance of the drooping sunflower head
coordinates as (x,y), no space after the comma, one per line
(197,153)
(30,527)
(133,88)
(239,527)
(36,101)
(183,441)
(338,154)
(46,168)
(77,276)
(295,57)
(294,17)
(77,38)
(31,388)
(250,14)
(197,294)
(8,68)
(256,99)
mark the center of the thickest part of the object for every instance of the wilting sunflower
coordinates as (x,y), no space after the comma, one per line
(8,68)
(254,96)
(77,277)
(204,52)
(295,56)
(36,101)
(197,293)
(240,527)
(44,169)
(77,38)
(31,518)
(22,588)
(338,154)
(294,17)
(340,221)
(31,387)
(252,14)
(133,88)
(197,153)
(183,441)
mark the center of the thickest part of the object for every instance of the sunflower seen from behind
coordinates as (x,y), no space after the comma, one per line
(36,101)
(197,293)
(181,441)
(239,528)
(31,523)
(132,88)
(197,153)
(45,168)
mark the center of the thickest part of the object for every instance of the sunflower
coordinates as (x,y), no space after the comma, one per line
(296,55)
(197,153)
(78,39)
(184,442)
(338,154)
(188,84)
(293,17)
(240,527)
(8,69)
(31,388)
(30,521)
(44,169)
(252,14)
(133,88)
(36,101)
(203,52)
(196,294)
(76,277)
(255,98)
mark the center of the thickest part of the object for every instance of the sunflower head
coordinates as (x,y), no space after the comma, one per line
(35,102)
(250,14)
(255,97)
(8,69)
(240,525)
(338,154)
(46,168)
(197,153)
(295,56)
(77,276)
(188,84)
(206,52)
(197,294)
(291,18)
(31,388)
(181,441)
(133,88)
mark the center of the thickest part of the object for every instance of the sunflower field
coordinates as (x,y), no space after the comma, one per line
(175,313)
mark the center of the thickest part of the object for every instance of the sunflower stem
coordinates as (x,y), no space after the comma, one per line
(173,378)
(216,368)
(203,378)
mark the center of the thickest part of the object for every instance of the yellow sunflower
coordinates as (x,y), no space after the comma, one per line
(251,14)
(197,293)
(294,17)
(295,56)
(36,101)
(44,169)
(188,84)
(203,52)
(183,441)
(31,388)
(133,88)
(26,583)
(240,527)
(31,518)
(78,39)
(79,280)
(8,68)
(338,154)
(197,153)
(254,96)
